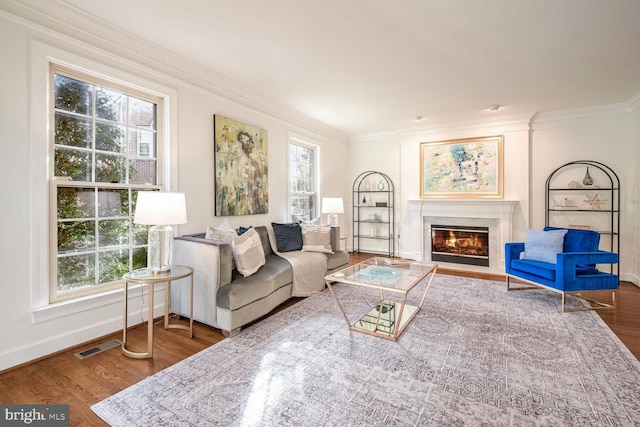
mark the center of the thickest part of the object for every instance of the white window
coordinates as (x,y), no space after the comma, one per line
(303,180)
(104,138)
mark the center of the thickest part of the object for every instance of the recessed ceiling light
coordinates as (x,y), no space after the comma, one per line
(419,118)
(494,107)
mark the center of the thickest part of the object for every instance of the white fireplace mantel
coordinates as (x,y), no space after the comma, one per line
(497,213)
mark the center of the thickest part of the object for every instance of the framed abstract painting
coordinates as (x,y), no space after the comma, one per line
(462,168)
(241,168)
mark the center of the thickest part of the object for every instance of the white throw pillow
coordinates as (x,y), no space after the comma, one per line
(224,232)
(316,238)
(248,252)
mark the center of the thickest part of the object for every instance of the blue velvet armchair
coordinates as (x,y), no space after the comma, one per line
(574,271)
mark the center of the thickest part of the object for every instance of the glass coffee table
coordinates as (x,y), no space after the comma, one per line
(394,280)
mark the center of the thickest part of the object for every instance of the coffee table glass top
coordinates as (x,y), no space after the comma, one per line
(386,273)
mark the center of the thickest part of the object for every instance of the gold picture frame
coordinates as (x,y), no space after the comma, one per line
(462,168)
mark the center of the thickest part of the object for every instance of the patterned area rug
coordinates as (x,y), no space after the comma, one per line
(475,355)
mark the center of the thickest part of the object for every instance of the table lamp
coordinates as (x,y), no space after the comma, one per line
(332,206)
(160,209)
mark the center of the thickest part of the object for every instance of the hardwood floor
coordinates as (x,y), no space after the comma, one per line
(62,378)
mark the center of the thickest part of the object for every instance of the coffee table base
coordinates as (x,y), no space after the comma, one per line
(384,322)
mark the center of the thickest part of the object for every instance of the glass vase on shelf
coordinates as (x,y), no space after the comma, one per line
(587,180)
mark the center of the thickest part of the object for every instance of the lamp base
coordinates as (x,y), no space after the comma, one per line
(332,219)
(160,250)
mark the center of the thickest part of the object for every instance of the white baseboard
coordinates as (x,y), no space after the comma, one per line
(71,338)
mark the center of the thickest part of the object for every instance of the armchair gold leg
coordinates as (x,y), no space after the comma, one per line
(522,287)
(593,304)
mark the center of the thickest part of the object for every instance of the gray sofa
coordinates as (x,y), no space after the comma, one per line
(225,299)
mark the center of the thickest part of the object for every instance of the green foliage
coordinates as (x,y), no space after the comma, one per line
(94,228)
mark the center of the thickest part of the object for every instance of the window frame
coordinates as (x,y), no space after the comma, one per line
(315,148)
(54,296)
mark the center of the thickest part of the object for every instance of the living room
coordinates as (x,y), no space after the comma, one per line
(535,143)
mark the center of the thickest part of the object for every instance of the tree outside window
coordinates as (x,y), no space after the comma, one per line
(302,181)
(98,172)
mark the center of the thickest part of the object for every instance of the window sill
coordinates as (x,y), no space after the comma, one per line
(78,305)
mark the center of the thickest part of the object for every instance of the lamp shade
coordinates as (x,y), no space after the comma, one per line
(160,208)
(332,205)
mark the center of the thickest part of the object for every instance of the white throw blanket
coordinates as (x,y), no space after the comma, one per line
(309,269)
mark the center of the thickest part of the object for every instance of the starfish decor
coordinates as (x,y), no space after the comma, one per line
(595,202)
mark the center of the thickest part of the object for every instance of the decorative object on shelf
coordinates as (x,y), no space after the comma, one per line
(241,168)
(332,206)
(381,204)
(380,185)
(160,209)
(587,180)
(364,200)
(579,227)
(567,204)
(595,202)
(367,185)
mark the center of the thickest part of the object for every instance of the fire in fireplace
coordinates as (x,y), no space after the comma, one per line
(460,244)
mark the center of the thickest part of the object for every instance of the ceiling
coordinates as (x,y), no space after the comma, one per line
(365,66)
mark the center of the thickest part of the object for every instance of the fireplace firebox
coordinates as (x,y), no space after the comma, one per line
(460,244)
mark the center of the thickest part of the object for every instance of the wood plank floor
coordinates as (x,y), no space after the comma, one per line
(62,378)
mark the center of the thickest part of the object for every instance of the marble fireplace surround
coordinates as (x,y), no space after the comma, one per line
(497,215)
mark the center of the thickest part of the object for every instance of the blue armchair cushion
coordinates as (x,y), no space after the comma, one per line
(543,245)
(580,241)
(536,268)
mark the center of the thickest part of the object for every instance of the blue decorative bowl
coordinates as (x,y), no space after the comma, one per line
(381,272)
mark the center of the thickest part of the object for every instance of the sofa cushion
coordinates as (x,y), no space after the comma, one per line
(243,291)
(288,236)
(536,268)
(248,252)
(337,260)
(543,245)
(316,238)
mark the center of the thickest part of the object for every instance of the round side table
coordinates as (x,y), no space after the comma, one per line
(145,276)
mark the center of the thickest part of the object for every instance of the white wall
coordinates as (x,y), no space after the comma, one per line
(194,99)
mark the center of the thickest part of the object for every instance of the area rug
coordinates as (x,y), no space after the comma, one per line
(475,355)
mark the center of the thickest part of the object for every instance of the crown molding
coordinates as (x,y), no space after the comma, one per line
(472,127)
(634,104)
(56,19)
(603,114)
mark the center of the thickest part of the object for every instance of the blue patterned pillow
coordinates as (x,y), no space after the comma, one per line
(543,245)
